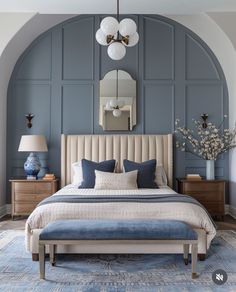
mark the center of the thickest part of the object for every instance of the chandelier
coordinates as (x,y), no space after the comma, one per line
(117,35)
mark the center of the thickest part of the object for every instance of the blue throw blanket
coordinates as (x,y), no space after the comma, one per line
(120,198)
(170,198)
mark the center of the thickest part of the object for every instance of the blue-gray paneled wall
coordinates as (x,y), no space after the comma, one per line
(57,79)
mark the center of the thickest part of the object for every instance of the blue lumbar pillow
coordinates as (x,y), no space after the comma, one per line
(88,169)
(146,172)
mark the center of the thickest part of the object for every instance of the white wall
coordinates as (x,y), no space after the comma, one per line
(17,31)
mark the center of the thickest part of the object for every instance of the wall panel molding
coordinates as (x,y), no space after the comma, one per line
(177,76)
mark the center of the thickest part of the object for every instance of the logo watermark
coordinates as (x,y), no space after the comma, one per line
(219,277)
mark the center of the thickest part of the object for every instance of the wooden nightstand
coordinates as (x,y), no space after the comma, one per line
(26,194)
(210,193)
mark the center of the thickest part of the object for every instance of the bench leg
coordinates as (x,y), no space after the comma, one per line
(52,254)
(42,260)
(186,253)
(194,261)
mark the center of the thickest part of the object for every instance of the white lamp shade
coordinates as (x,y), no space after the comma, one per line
(101,38)
(133,40)
(127,27)
(116,51)
(116,113)
(109,25)
(33,143)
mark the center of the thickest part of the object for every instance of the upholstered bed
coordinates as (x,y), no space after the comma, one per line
(103,147)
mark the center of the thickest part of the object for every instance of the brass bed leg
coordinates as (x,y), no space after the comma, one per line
(35,257)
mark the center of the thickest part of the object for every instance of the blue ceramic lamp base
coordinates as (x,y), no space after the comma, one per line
(32,166)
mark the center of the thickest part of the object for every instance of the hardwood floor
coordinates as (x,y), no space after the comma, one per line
(7,223)
(228,224)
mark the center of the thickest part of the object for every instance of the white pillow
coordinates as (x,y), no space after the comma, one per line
(161,178)
(115,181)
(78,173)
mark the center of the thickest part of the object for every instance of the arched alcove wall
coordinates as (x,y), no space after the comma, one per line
(57,79)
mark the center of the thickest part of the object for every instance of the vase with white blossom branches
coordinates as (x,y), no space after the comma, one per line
(206,141)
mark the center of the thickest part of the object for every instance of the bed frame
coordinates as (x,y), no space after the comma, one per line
(102,147)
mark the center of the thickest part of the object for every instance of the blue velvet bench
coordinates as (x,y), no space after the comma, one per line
(68,232)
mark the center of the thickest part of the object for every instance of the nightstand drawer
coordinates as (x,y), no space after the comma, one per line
(19,197)
(203,186)
(211,194)
(214,208)
(44,188)
(24,187)
(24,208)
(26,195)
(207,196)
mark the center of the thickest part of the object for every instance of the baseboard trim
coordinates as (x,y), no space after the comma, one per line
(8,208)
(232,211)
(5,210)
(226,209)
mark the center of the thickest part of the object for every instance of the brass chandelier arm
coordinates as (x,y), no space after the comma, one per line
(123,39)
(110,38)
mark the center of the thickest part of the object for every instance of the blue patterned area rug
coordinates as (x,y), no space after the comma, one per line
(111,273)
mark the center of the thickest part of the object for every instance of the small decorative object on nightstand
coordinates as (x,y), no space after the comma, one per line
(32,143)
(26,194)
(210,193)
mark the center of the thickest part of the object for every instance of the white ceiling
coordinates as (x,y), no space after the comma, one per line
(109,6)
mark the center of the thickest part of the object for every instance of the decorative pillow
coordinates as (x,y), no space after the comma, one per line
(88,169)
(116,181)
(161,178)
(146,172)
(78,173)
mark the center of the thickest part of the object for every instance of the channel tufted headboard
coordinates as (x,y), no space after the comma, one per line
(102,147)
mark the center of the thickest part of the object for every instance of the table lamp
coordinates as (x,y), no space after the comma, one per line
(32,143)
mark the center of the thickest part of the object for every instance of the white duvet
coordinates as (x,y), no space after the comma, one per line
(190,213)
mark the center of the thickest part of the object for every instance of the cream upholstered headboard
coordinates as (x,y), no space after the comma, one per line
(138,148)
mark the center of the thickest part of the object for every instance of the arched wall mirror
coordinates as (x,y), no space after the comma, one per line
(117,101)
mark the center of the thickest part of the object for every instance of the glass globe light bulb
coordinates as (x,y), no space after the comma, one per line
(109,26)
(121,103)
(113,103)
(101,38)
(117,113)
(116,51)
(133,40)
(108,106)
(127,27)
